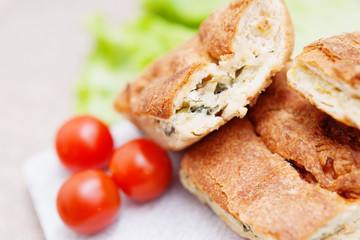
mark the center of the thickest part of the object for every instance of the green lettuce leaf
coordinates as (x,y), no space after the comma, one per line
(322,18)
(188,12)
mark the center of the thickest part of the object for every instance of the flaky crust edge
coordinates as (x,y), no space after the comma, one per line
(337,57)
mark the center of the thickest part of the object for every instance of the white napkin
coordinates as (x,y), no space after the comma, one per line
(175,215)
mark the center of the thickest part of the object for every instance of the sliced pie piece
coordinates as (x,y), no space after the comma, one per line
(327,73)
(198,87)
(259,194)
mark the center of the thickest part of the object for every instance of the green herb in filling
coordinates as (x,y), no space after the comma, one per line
(184,108)
(220,87)
(239,71)
(212,110)
(197,109)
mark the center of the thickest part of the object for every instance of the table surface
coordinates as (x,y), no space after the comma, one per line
(43,47)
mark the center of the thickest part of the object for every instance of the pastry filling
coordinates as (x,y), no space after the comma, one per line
(222,91)
(336,99)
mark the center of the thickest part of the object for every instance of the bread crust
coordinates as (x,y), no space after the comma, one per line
(151,96)
(293,128)
(218,31)
(338,57)
(153,92)
(240,174)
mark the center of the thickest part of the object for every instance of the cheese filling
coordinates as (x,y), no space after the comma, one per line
(222,91)
(331,97)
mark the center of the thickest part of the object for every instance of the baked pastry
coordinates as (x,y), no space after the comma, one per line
(327,73)
(323,150)
(260,195)
(196,88)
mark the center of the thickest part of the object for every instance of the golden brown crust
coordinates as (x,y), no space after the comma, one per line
(152,92)
(160,104)
(237,171)
(337,57)
(218,31)
(296,130)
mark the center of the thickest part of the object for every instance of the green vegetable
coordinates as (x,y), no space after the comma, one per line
(184,108)
(220,87)
(239,71)
(209,110)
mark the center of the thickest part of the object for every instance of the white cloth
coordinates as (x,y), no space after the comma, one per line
(175,215)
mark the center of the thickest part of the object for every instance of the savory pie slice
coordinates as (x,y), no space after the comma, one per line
(198,87)
(259,194)
(327,73)
(324,150)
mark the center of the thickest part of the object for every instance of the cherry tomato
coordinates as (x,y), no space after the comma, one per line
(141,169)
(84,143)
(88,201)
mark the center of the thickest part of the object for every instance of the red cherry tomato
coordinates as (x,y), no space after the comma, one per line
(84,143)
(88,201)
(141,169)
